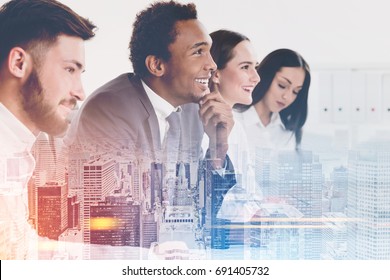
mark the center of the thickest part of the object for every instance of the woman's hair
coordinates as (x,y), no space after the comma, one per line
(294,116)
(224,41)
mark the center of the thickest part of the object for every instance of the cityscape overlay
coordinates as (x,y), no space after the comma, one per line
(328,201)
(99,207)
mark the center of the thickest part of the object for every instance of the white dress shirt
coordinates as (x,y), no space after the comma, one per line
(274,136)
(238,147)
(162,108)
(16,168)
(243,200)
(252,138)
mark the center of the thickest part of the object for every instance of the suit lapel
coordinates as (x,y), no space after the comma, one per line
(150,124)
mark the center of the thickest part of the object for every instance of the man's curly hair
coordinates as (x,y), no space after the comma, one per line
(154,30)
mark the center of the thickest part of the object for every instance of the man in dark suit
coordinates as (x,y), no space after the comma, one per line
(128,118)
(170,53)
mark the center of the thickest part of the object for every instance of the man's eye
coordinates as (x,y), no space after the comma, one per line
(200,51)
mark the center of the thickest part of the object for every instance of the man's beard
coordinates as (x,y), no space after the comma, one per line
(43,114)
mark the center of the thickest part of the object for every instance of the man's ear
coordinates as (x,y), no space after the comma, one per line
(155,65)
(17,62)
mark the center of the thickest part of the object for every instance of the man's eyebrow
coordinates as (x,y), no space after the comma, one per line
(248,62)
(194,46)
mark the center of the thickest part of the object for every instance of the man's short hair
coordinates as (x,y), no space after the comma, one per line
(154,30)
(32,23)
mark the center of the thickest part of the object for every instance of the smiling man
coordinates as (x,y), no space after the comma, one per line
(41,61)
(129,118)
(170,53)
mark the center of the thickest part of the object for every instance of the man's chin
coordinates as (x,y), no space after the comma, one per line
(60,134)
(57,129)
(200,95)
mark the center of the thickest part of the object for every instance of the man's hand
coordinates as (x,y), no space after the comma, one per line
(217,118)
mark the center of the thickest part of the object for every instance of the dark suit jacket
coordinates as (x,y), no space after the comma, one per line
(119,118)
(119,115)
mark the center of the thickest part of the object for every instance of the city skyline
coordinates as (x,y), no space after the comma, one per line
(291,223)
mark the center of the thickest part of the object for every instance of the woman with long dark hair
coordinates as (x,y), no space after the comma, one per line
(278,111)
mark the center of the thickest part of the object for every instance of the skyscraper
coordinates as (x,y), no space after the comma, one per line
(156,181)
(115,222)
(52,209)
(298,177)
(50,167)
(334,236)
(99,180)
(276,233)
(215,188)
(368,203)
(339,190)
(180,194)
(149,230)
(73,211)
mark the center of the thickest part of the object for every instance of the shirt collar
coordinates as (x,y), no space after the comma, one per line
(16,127)
(251,117)
(162,107)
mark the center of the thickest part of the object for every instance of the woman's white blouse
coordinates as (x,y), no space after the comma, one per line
(243,200)
(274,136)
